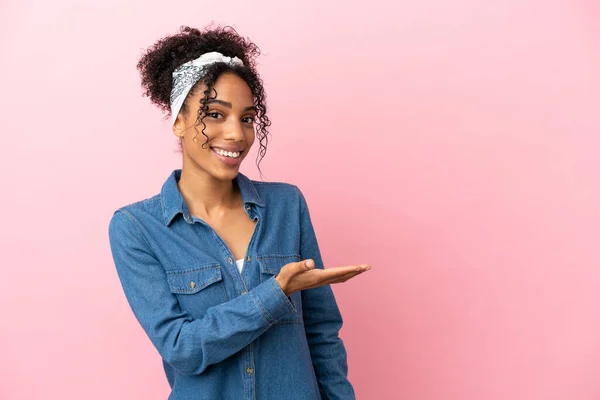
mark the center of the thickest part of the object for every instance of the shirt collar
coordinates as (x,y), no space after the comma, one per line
(173,204)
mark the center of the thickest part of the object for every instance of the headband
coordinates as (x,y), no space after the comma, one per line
(186,76)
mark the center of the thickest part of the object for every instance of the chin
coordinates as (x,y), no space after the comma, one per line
(225,174)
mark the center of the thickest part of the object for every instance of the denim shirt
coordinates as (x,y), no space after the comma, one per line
(223,334)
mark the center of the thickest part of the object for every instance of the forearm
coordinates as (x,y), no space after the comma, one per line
(189,344)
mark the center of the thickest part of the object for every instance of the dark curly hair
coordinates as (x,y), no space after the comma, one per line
(157,64)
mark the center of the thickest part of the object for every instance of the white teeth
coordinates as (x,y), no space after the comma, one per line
(232,154)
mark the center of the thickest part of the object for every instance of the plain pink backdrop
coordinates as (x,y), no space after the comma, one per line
(451,144)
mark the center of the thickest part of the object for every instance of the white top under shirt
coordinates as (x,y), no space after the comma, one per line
(240,264)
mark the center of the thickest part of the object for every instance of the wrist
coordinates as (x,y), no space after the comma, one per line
(282,284)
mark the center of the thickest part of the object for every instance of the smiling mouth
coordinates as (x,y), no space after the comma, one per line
(230,154)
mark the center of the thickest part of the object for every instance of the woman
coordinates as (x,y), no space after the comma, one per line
(223,273)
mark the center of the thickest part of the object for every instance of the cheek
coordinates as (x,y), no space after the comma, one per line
(195,142)
(203,134)
(251,136)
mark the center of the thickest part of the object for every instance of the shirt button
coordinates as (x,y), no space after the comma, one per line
(249,370)
(244,292)
(192,284)
(230,260)
(249,258)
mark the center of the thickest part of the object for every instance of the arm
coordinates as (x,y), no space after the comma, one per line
(322,321)
(189,345)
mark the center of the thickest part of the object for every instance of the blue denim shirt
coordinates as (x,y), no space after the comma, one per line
(223,334)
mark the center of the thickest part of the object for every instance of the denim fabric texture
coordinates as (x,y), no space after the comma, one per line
(223,334)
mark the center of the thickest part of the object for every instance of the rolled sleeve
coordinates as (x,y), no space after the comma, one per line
(188,344)
(271,300)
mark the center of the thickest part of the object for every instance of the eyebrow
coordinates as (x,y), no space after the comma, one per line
(228,104)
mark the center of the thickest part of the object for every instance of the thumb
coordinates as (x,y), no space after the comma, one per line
(303,266)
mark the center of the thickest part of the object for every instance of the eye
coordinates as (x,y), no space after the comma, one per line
(249,120)
(214,114)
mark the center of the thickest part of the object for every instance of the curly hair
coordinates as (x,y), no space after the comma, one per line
(157,64)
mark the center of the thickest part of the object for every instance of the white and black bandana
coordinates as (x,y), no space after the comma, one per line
(186,76)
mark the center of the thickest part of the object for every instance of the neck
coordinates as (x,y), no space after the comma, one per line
(206,196)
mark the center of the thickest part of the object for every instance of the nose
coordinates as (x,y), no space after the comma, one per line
(234,131)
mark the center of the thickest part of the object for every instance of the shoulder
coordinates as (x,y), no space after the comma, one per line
(128,217)
(151,205)
(285,197)
(277,191)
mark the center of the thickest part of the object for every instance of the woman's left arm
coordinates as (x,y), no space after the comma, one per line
(322,322)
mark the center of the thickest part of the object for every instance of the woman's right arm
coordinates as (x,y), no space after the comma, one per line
(189,345)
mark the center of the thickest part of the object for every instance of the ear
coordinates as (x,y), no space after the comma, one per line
(179,126)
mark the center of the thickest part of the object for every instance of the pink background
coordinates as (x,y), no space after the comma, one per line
(451,144)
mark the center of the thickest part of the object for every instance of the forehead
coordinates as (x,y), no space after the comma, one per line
(234,89)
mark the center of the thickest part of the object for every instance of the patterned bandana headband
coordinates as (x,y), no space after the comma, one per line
(186,76)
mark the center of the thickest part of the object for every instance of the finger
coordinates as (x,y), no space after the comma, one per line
(325,277)
(339,279)
(331,273)
(363,266)
(302,266)
(343,278)
(355,270)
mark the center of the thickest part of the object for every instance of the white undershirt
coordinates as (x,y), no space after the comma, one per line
(240,264)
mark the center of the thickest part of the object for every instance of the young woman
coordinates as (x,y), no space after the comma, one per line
(224,273)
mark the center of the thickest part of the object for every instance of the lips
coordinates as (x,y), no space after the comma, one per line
(227,153)
(229,158)
(229,148)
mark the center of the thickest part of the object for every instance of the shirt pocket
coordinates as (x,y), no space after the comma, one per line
(270,265)
(198,289)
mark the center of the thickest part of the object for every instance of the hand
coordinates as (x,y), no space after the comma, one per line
(303,275)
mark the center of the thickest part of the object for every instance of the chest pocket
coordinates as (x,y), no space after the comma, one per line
(270,265)
(198,289)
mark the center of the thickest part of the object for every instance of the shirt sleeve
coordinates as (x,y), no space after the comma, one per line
(323,321)
(189,345)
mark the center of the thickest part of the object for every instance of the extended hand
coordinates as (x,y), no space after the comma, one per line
(303,275)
